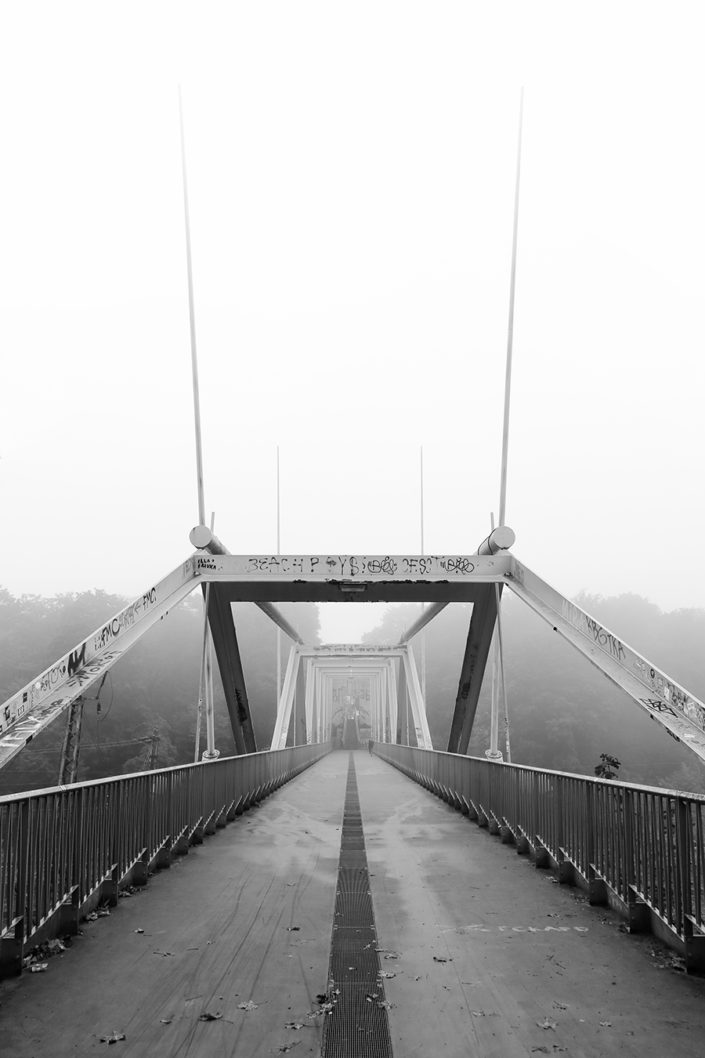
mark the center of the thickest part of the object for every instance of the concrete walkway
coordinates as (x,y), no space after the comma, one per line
(492,957)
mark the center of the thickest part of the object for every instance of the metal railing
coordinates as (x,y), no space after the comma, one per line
(66,849)
(637,848)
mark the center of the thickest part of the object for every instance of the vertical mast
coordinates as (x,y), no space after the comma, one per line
(510,328)
(192,327)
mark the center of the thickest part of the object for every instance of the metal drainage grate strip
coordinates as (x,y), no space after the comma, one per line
(358,1025)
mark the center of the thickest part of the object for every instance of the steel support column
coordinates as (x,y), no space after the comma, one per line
(222,626)
(418,706)
(482,622)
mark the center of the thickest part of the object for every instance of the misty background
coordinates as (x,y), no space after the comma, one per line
(351,182)
(563,712)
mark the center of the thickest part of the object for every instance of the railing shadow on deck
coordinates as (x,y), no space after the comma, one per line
(638,849)
(66,850)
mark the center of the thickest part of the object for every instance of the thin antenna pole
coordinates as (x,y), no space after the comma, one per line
(493,752)
(421,496)
(423,605)
(279,634)
(210,752)
(192,325)
(504,685)
(510,328)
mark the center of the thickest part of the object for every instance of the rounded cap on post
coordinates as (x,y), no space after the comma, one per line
(200,536)
(500,539)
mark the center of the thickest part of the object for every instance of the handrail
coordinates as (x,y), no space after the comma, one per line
(66,849)
(639,849)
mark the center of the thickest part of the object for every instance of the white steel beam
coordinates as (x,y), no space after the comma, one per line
(34,707)
(393,703)
(666,702)
(286,701)
(418,706)
(353,571)
(308,700)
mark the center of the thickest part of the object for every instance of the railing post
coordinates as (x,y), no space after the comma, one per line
(12,947)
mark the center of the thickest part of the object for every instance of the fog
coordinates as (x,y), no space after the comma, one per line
(351,178)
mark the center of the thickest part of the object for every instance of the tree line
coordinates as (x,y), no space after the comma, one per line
(563,713)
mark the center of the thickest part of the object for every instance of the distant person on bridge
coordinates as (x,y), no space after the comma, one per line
(370,746)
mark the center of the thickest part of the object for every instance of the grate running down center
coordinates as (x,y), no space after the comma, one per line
(358,1026)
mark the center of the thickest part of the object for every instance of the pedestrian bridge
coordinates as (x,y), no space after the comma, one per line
(322,903)
(344,903)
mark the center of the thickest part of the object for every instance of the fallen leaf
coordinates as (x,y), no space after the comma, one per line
(209,1017)
(384,1004)
(293,1025)
(546,1024)
(138,931)
(439,958)
(38,967)
(386,973)
(249,1005)
(114,1038)
(560,1006)
(293,929)
(165,1021)
(391,955)
(606,1024)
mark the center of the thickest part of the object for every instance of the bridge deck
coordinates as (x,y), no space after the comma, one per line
(489,949)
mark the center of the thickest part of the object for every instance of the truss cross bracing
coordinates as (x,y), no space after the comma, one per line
(268,579)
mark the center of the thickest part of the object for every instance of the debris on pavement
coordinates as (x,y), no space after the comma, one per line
(293,929)
(386,973)
(39,967)
(114,1037)
(605,1024)
(249,1005)
(165,1021)
(294,1025)
(165,954)
(546,1024)
(138,931)
(289,1046)
(206,1016)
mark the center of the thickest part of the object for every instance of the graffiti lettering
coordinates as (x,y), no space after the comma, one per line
(658,706)
(674,697)
(348,566)
(604,639)
(457,564)
(590,628)
(76,659)
(93,669)
(384,565)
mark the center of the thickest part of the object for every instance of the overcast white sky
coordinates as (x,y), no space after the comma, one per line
(351,174)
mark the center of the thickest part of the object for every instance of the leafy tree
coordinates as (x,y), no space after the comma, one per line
(608,766)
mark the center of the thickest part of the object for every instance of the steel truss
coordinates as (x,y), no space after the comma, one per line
(267,579)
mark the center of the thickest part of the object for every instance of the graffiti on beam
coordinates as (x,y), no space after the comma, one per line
(672,698)
(594,631)
(94,668)
(125,619)
(77,668)
(205,563)
(347,566)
